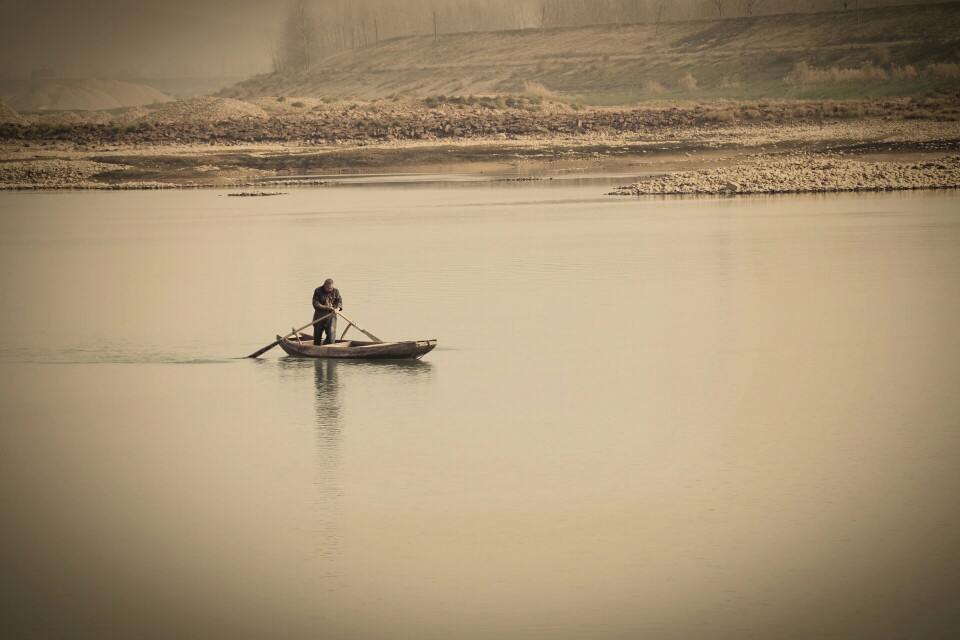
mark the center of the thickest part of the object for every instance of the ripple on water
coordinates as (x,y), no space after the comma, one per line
(89,355)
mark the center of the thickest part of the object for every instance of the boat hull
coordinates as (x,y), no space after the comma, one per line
(358,350)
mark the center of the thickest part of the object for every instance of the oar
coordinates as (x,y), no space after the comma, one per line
(362,330)
(257,354)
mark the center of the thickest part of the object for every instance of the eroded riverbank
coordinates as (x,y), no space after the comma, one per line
(730,149)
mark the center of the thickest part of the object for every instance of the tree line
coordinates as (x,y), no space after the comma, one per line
(311,29)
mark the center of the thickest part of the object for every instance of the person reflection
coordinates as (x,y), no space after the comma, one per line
(329,429)
(327,399)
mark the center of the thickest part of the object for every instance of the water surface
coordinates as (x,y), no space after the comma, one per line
(657,418)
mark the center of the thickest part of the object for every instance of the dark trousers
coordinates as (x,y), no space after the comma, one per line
(329,326)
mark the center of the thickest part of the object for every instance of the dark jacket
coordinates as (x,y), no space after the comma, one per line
(323,297)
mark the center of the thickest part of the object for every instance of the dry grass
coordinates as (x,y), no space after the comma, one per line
(803,74)
(687,82)
(538,89)
(942,70)
(652,86)
(901,74)
(730,82)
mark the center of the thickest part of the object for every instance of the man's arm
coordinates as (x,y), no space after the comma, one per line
(338,301)
(317,304)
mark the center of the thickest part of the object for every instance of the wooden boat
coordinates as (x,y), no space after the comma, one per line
(356,349)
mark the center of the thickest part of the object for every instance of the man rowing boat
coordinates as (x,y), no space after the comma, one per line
(326,299)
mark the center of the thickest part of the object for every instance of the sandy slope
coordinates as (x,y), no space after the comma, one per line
(82,94)
(735,57)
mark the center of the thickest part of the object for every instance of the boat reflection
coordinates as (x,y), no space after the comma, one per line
(336,378)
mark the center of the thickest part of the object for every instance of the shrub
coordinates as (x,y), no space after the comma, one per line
(297,104)
(687,82)
(534,88)
(730,82)
(652,86)
(906,72)
(804,74)
(719,116)
(942,70)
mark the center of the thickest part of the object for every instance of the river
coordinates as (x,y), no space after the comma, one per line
(646,417)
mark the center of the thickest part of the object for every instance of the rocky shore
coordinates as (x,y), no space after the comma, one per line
(73,173)
(209,120)
(803,174)
(770,147)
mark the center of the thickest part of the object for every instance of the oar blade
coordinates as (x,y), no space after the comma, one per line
(260,352)
(257,354)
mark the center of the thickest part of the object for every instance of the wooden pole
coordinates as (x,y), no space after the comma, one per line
(362,330)
(257,354)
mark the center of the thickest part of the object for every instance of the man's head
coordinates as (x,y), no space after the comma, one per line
(328,285)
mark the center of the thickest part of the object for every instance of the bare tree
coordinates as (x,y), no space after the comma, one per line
(298,38)
(749,6)
(719,5)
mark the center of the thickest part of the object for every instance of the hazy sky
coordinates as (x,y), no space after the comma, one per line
(109,37)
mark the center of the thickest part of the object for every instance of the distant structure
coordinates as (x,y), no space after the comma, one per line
(38,74)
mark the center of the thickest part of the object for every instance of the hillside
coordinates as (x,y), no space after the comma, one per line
(76,94)
(889,52)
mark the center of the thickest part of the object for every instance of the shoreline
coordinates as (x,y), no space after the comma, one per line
(675,150)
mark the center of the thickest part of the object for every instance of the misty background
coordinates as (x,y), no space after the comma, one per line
(223,41)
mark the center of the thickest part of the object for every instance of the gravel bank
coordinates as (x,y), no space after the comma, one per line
(803,174)
(42,174)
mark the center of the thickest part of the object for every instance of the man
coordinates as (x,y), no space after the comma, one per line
(325,300)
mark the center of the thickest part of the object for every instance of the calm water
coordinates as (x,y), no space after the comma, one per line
(683,418)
